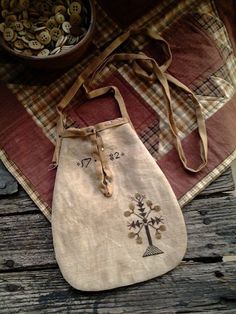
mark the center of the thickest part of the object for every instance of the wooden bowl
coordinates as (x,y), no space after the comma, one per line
(60,60)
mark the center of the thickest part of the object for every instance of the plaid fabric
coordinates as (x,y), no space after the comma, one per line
(201,185)
(25,183)
(40,101)
(213,90)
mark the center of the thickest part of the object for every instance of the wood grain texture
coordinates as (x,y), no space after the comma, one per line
(223,183)
(30,281)
(190,287)
(26,240)
(18,203)
(21,203)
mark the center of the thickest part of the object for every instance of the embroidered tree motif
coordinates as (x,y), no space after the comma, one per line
(145,221)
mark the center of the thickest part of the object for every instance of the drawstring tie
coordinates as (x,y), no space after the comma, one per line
(102,169)
(103,172)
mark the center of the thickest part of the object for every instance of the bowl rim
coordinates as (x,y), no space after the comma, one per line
(83,41)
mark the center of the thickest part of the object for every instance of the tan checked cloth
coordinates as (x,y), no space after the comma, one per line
(203,60)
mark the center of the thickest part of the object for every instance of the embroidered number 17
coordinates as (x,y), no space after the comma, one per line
(84,163)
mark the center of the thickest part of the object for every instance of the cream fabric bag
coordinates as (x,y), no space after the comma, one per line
(115,218)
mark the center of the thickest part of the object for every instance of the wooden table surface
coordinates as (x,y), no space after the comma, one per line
(205,281)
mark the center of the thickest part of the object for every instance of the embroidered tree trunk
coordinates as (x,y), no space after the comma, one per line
(151,250)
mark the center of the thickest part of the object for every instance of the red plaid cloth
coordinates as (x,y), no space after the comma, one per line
(203,59)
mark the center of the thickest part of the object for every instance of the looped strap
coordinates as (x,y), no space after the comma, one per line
(147,68)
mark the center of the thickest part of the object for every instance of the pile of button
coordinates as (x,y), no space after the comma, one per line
(43,28)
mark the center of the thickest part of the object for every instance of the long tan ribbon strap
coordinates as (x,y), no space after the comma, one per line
(163,77)
(200,122)
(104,59)
(166,48)
(90,69)
(75,132)
(101,58)
(117,95)
(65,101)
(99,61)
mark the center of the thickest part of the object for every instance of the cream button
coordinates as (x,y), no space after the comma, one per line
(30,36)
(59,18)
(22,33)
(38,29)
(55,33)
(60,9)
(25,40)
(14,37)
(18,26)
(8,34)
(60,41)
(66,26)
(27,52)
(19,44)
(44,37)
(75,8)
(35,45)
(43,53)
(51,22)
(31,25)
(55,51)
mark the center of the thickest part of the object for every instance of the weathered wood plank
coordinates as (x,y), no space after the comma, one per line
(190,288)
(211,226)
(210,312)
(21,203)
(8,184)
(17,203)
(26,240)
(224,183)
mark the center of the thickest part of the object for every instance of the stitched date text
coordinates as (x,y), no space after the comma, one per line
(115,155)
(84,163)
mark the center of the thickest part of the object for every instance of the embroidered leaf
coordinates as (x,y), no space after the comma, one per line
(131,235)
(153,221)
(137,196)
(149,203)
(133,225)
(157,208)
(138,224)
(127,213)
(141,208)
(162,228)
(131,206)
(158,220)
(139,240)
(158,235)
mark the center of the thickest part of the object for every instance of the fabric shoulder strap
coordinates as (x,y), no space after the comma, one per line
(148,69)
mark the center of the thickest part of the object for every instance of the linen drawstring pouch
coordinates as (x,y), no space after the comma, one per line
(117,222)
